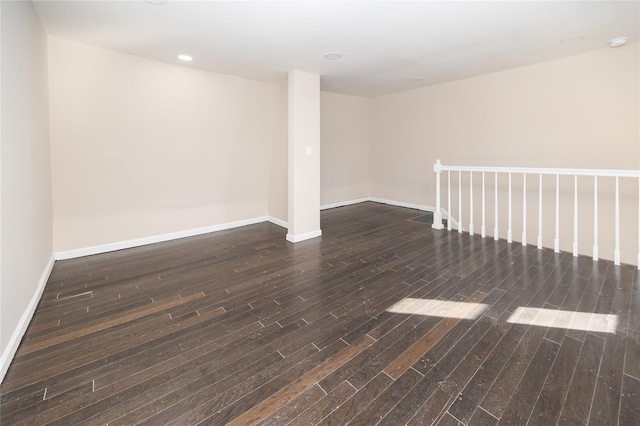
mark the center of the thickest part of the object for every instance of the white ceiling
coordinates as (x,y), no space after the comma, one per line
(384,43)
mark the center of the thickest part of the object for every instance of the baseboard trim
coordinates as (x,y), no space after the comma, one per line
(105,248)
(344,203)
(402,204)
(278,222)
(121,245)
(21,328)
(305,236)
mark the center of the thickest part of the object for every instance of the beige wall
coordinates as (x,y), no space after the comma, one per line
(577,112)
(345,135)
(25,224)
(142,148)
(278,175)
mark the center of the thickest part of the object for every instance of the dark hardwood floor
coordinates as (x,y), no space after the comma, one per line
(382,320)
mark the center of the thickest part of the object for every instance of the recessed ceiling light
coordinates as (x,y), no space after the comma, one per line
(416,79)
(157,2)
(574,39)
(333,56)
(185,58)
(617,42)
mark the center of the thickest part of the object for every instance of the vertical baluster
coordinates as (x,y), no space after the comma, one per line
(470,203)
(483,228)
(524,209)
(459,201)
(616,252)
(556,239)
(540,212)
(449,200)
(595,218)
(495,212)
(509,232)
(575,215)
(437,215)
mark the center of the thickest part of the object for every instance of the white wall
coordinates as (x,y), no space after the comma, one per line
(345,135)
(25,184)
(143,148)
(577,112)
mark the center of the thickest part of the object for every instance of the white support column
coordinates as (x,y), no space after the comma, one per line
(304,156)
(509,230)
(483,227)
(540,211)
(575,216)
(616,251)
(437,215)
(449,225)
(556,239)
(459,201)
(524,209)
(470,203)
(496,231)
(595,218)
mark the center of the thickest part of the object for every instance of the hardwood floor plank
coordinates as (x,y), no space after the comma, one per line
(606,399)
(465,404)
(437,377)
(482,418)
(295,407)
(409,357)
(632,355)
(321,409)
(580,395)
(293,390)
(384,402)
(241,326)
(629,407)
(363,397)
(549,404)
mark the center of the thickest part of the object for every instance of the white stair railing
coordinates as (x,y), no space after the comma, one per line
(469,171)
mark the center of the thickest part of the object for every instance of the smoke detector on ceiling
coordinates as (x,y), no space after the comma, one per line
(617,42)
(333,56)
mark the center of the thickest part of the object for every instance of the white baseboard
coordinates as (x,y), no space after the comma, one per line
(305,236)
(278,222)
(10,351)
(402,204)
(343,203)
(120,245)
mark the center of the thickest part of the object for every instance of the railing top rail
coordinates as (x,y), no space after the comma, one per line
(543,171)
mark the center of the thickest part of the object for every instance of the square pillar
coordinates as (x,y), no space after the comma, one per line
(304,156)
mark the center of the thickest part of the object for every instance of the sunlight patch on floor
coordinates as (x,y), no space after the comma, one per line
(438,308)
(585,321)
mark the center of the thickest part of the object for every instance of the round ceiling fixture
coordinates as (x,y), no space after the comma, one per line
(617,42)
(571,40)
(333,56)
(186,58)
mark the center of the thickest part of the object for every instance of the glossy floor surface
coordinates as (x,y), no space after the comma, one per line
(382,320)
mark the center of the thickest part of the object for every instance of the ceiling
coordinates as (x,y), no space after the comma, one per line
(384,43)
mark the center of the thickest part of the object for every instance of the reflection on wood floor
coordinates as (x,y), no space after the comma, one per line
(381,320)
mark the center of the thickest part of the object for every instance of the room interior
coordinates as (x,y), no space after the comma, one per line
(110,141)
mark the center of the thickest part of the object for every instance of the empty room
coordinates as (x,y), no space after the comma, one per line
(319,212)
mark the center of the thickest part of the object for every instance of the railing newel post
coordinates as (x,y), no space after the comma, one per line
(437,215)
